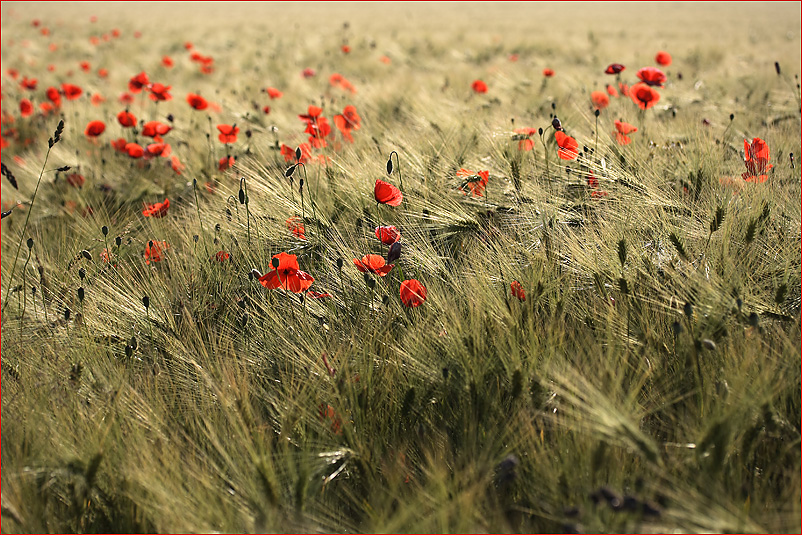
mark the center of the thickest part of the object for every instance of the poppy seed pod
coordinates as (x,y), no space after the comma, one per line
(394,253)
(556,124)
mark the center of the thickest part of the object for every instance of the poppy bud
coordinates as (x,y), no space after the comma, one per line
(29,243)
(254,274)
(540,131)
(118,241)
(290,170)
(105,230)
(275,263)
(82,273)
(241,196)
(86,254)
(394,253)
(170,118)
(556,124)
(63,169)
(339,263)
(67,314)
(777,67)
(298,153)
(146,301)
(80,294)
(596,113)
(301,186)
(688,309)
(129,351)
(390,166)
(732,116)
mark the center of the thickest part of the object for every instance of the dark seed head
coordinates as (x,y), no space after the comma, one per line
(556,124)
(81,294)
(118,241)
(82,273)
(146,301)
(105,230)
(86,254)
(274,263)
(29,243)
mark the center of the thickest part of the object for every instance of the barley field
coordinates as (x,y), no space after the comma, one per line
(390,267)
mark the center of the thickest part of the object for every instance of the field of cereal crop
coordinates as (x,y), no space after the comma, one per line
(401,267)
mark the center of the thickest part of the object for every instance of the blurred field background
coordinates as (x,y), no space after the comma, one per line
(649,382)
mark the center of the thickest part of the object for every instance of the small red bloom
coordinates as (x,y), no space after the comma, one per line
(523,136)
(54,96)
(517,290)
(568,146)
(476,182)
(158,149)
(176,165)
(221,256)
(622,129)
(134,150)
(126,98)
(154,250)
(385,60)
(226,162)
(296,225)
(119,144)
(168,62)
(155,128)
(273,93)
(600,99)
(75,180)
(385,193)
(624,88)
(289,153)
(652,76)
(26,107)
(346,49)
(614,68)
(47,108)
(97,99)
(70,91)
(136,83)
(643,95)
(126,119)
(158,209)
(663,58)
(612,91)
(548,73)
(348,121)
(28,83)
(373,263)
(479,86)
(197,102)
(160,92)
(413,293)
(228,133)
(287,275)
(756,158)
(103,73)
(95,128)
(388,235)
(308,73)
(513,57)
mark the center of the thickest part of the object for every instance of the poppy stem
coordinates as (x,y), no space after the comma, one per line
(398,166)
(244,185)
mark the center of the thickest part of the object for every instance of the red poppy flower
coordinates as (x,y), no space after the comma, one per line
(614,68)
(624,88)
(663,58)
(756,158)
(476,182)
(308,73)
(14,73)
(346,49)
(612,91)
(138,82)
(600,99)
(388,235)
(652,76)
(126,119)
(95,128)
(326,411)
(517,290)
(226,162)
(318,129)
(155,128)
(85,66)
(158,149)
(134,150)
(168,62)
(26,107)
(385,193)
(385,60)
(97,99)
(46,107)
(548,73)
(479,86)
(103,73)
(289,153)
(158,209)
(349,120)
(643,95)
(273,93)
(188,45)
(28,83)
(523,136)
(568,146)
(413,293)
(228,133)
(296,225)
(54,95)
(126,98)
(287,275)
(176,165)
(160,92)
(513,57)
(197,102)
(622,129)
(154,251)
(221,256)
(75,180)
(70,91)
(373,263)
(119,144)
(338,80)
